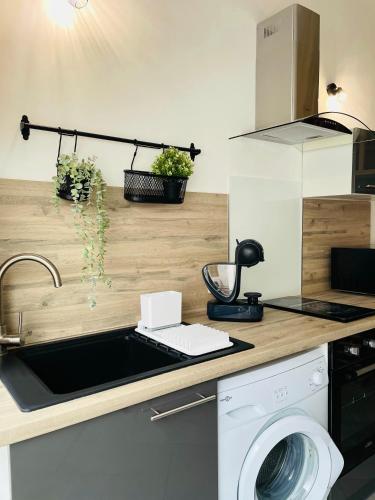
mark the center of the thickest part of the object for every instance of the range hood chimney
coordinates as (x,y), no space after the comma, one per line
(287,79)
(287,67)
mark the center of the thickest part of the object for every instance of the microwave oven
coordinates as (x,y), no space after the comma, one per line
(363,167)
(353,270)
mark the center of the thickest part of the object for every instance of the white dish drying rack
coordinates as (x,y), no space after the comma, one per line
(193,340)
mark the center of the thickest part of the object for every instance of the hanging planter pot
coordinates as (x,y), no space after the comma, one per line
(82,183)
(165,184)
(173,187)
(67,185)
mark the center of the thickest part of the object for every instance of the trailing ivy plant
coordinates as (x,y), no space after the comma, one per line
(87,188)
(173,162)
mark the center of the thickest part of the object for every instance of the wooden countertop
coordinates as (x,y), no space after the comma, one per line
(279,334)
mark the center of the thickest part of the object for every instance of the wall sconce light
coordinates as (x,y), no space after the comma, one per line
(78,4)
(336,96)
(333,89)
(335,92)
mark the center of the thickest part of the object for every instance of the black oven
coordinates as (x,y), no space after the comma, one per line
(352,397)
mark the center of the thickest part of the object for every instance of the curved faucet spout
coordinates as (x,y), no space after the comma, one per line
(36,258)
(18,258)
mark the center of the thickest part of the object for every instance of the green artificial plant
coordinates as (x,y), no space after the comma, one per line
(87,190)
(173,162)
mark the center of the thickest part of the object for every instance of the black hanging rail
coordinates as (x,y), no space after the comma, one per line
(26,126)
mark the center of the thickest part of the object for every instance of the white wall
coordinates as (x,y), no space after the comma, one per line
(328,171)
(165,70)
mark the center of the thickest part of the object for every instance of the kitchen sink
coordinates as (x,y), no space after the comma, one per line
(51,373)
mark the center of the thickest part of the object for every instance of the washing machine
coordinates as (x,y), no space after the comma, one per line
(273,442)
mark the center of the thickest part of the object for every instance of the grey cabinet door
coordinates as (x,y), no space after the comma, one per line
(125,455)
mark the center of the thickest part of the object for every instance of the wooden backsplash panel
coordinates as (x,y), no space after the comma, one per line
(328,223)
(151,247)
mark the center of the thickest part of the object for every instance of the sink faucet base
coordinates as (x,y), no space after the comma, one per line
(12,340)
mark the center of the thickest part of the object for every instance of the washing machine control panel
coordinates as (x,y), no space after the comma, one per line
(318,377)
(281,394)
(274,392)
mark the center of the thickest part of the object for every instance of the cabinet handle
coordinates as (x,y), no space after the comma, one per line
(201,401)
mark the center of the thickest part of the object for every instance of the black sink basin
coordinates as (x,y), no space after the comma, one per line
(40,376)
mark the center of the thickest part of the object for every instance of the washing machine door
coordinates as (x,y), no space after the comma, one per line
(294,458)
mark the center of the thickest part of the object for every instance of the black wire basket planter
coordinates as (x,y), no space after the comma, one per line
(147,187)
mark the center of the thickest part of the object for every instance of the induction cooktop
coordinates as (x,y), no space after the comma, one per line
(319,308)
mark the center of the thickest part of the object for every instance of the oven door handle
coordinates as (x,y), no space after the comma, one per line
(366,369)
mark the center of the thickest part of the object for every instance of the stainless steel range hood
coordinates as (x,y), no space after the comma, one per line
(287,80)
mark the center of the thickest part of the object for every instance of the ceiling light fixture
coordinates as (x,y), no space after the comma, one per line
(60,13)
(78,4)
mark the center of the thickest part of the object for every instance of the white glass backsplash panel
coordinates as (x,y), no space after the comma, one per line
(270,211)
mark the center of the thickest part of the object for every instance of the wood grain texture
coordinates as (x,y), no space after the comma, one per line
(328,223)
(151,247)
(307,63)
(279,334)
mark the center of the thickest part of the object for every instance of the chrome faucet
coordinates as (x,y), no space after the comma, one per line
(17,339)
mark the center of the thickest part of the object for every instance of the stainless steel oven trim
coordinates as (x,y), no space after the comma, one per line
(366,369)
